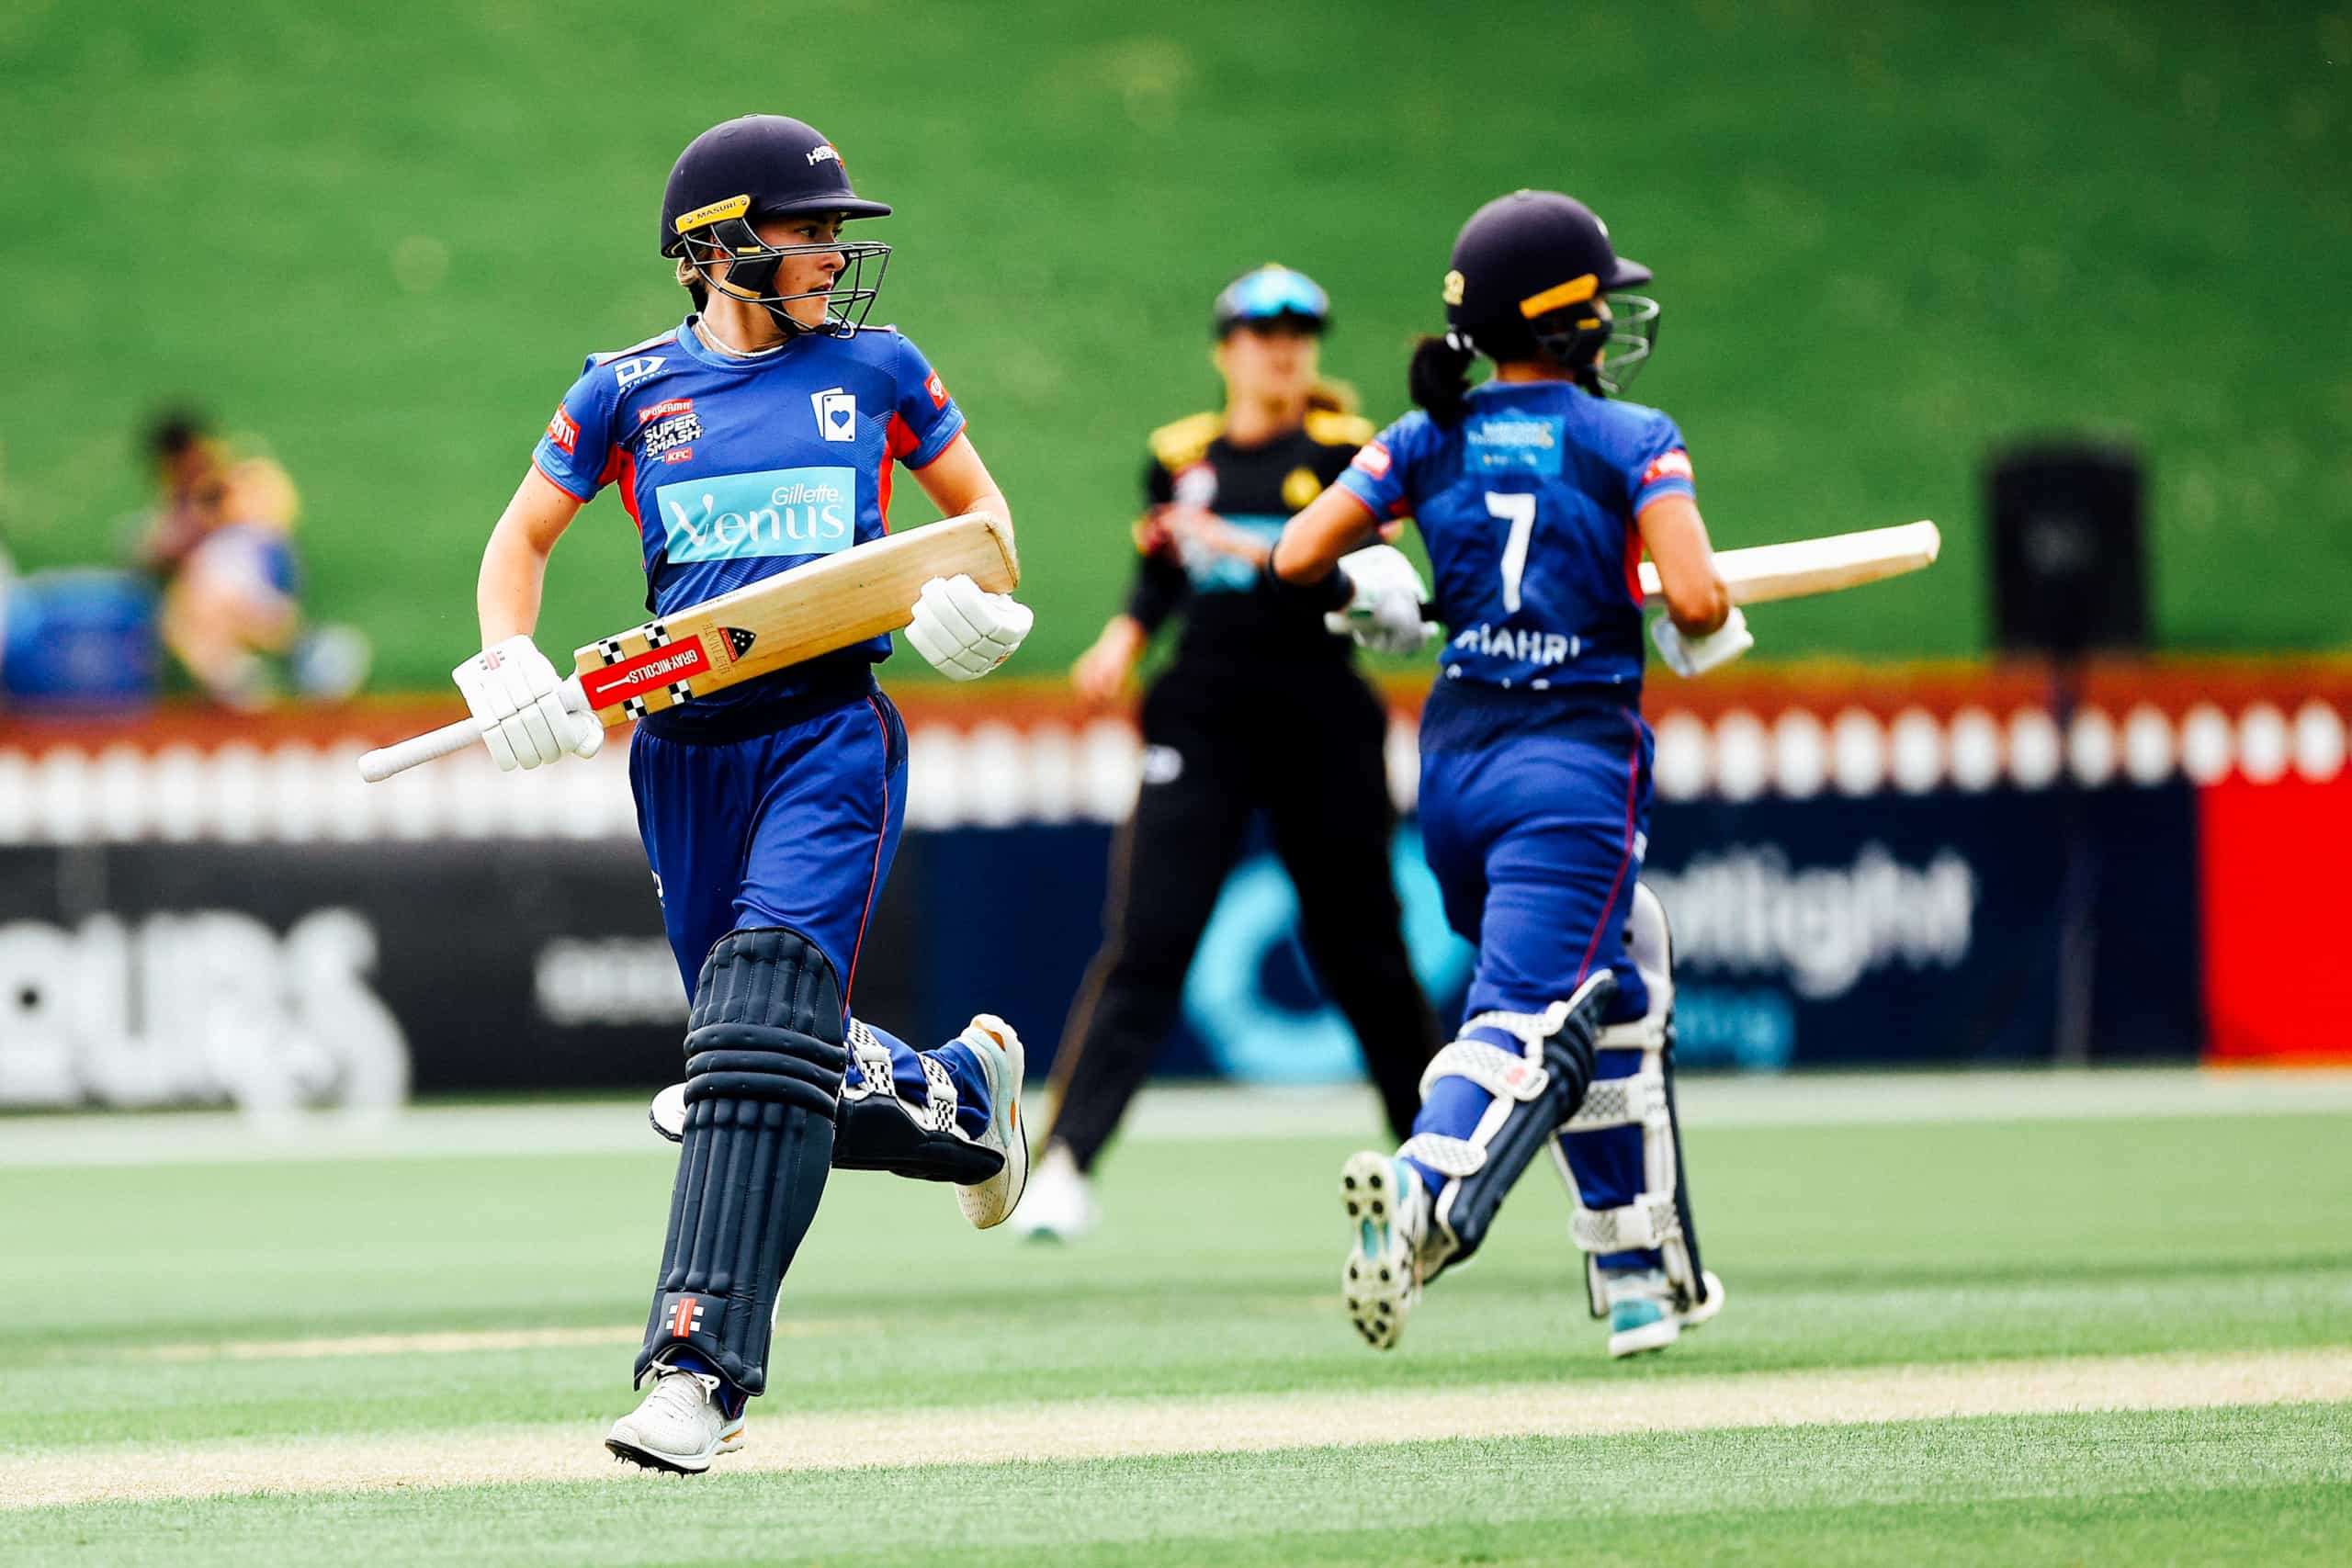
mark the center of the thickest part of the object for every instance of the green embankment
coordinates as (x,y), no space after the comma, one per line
(1887,239)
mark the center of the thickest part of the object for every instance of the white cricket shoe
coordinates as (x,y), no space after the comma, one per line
(991,1203)
(1061,1205)
(1388,1211)
(678,1427)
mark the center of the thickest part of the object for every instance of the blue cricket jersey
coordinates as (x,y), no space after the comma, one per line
(736,470)
(1527,507)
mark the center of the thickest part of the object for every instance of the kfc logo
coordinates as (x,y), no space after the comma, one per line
(1373,459)
(562,431)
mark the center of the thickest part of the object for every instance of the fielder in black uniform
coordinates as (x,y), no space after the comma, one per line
(1261,709)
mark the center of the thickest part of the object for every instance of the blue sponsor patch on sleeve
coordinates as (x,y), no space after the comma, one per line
(1515,442)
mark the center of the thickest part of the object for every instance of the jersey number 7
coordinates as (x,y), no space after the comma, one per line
(1519,511)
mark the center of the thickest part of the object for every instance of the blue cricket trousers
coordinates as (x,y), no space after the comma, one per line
(796,828)
(1536,841)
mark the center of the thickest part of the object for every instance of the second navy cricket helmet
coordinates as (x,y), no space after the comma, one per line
(1532,272)
(750,170)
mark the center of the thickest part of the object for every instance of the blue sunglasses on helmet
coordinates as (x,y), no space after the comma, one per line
(1269,294)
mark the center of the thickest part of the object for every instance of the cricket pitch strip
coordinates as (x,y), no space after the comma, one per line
(1111,1429)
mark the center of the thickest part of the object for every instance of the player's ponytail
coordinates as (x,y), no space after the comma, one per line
(1439,377)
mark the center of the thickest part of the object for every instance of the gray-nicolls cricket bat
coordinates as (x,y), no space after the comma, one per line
(829,604)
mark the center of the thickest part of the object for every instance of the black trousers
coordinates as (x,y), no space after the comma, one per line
(1305,747)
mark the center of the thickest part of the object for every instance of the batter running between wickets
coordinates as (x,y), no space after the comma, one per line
(1535,494)
(758,435)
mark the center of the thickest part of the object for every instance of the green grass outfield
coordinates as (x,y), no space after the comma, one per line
(1886,237)
(2100,1338)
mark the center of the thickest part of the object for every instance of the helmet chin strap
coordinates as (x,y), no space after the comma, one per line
(792,326)
(776,309)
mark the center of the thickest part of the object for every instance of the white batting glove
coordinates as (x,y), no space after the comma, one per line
(964,630)
(528,717)
(1384,614)
(1689,656)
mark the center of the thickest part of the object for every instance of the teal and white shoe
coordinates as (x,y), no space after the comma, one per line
(1387,1209)
(991,1203)
(1643,1313)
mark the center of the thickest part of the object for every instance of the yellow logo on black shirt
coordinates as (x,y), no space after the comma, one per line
(1299,487)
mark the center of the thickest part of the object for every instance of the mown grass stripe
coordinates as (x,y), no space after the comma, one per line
(1116,1428)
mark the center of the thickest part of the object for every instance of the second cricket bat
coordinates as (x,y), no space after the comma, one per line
(830,604)
(1803,567)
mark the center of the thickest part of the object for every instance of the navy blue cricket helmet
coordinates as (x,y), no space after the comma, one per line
(752,169)
(1533,271)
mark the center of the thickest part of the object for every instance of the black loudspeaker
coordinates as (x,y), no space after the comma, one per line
(2070,565)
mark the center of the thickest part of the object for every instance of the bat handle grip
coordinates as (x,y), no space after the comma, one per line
(401,755)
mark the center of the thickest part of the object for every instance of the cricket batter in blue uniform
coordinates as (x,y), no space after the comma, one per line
(1535,494)
(757,435)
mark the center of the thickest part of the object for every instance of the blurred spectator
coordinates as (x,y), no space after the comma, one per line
(220,546)
(74,637)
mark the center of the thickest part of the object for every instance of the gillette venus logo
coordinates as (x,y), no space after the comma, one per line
(781,512)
